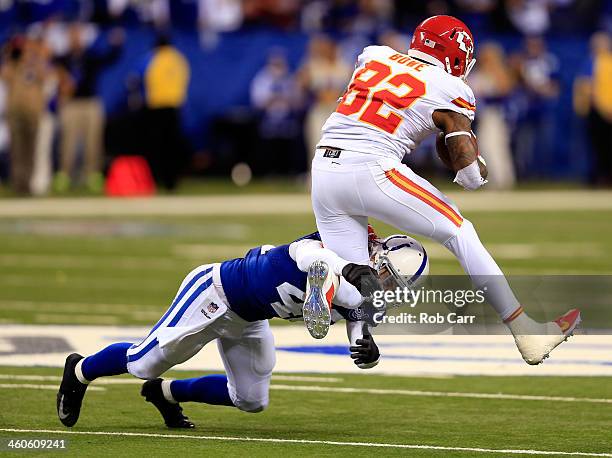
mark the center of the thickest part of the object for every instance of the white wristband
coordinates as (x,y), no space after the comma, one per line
(456,134)
(469,177)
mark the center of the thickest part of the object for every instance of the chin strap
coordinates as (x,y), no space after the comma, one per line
(468,69)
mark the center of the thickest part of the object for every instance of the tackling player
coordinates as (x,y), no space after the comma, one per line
(394,101)
(230,302)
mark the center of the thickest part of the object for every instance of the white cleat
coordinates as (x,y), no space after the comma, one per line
(321,287)
(535,348)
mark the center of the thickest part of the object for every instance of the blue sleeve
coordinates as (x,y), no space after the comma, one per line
(313,236)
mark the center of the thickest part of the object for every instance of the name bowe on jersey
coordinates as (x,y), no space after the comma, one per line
(387,108)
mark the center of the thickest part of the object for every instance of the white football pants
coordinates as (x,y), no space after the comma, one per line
(197,316)
(354,186)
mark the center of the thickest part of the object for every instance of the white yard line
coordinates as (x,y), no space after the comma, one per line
(447,394)
(349,390)
(76,306)
(94,261)
(81,282)
(135,381)
(41,387)
(529,250)
(56,378)
(306,441)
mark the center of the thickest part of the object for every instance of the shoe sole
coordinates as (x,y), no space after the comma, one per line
(317,316)
(68,420)
(569,333)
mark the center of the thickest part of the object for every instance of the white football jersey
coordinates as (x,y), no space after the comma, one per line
(387,108)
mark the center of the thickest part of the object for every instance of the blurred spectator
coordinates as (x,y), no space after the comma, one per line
(533,107)
(324,76)
(538,72)
(53,32)
(530,17)
(492,83)
(282,14)
(372,16)
(4,131)
(218,16)
(24,73)
(358,17)
(593,99)
(221,15)
(274,93)
(394,40)
(82,111)
(165,79)
(42,170)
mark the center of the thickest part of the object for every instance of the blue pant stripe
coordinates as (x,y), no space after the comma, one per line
(143,351)
(189,301)
(178,299)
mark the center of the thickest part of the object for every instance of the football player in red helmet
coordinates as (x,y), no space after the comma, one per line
(393,102)
(444,40)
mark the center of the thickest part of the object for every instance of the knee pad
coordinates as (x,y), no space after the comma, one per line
(251,406)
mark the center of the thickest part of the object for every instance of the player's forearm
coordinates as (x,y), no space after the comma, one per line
(309,251)
(461,151)
(354,331)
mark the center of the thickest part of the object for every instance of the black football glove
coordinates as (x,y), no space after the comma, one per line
(365,354)
(362,277)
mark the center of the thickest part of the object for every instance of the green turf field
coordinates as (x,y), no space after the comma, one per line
(79,271)
(123,271)
(384,418)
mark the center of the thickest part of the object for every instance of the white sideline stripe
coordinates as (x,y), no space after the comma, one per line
(448,394)
(134,381)
(41,387)
(288,204)
(307,441)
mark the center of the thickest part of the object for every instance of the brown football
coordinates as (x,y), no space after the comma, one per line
(442,150)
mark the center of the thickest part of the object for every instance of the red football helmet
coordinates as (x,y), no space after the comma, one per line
(444,41)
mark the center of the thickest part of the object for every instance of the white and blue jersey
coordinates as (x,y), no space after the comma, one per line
(216,300)
(265,283)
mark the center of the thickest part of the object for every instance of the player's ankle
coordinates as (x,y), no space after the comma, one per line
(167,391)
(78,372)
(521,323)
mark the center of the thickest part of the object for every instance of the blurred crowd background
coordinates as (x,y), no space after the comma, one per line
(238,88)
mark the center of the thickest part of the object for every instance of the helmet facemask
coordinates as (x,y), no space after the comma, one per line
(401,261)
(388,275)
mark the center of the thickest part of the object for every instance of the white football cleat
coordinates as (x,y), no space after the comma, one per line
(535,348)
(321,287)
